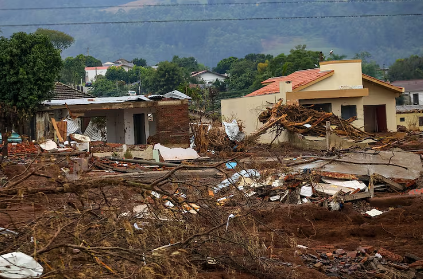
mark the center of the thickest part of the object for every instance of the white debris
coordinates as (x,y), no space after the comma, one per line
(306,191)
(236,176)
(227,222)
(377,255)
(6,231)
(302,246)
(350,184)
(48,145)
(176,154)
(169,204)
(275,198)
(19,265)
(374,212)
(233,132)
(155,194)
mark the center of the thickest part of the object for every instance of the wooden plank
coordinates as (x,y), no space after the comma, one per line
(392,184)
(63,128)
(358,196)
(53,121)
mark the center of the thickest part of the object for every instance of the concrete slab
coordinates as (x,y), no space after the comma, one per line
(411,165)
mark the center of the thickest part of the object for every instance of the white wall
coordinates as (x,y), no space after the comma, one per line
(91,74)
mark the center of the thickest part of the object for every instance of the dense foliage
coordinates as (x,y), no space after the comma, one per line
(30,66)
(407,68)
(60,40)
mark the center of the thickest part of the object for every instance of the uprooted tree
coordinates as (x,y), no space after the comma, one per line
(30,66)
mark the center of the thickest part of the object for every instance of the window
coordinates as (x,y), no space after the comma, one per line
(348,111)
(415,99)
(420,121)
(320,107)
(402,119)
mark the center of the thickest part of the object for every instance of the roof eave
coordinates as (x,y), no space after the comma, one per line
(390,87)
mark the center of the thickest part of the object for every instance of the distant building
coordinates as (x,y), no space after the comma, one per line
(125,64)
(92,72)
(208,77)
(413,90)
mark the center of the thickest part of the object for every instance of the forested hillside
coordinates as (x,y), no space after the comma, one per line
(386,38)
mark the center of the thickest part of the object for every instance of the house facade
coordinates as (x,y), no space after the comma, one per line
(130,119)
(208,77)
(413,91)
(336,86)
(410,116)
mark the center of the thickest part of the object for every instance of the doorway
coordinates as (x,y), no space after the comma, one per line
(139,129)
(375,119)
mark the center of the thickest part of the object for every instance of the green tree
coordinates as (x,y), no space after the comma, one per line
(103,87)
(190,64)
(73,70)
(146,79)
(300,58)
(60,40)
(167,77)
(116,74)
(139,62)
(30,66)
(334,56)
(224,65)
(92,62)
(406,69)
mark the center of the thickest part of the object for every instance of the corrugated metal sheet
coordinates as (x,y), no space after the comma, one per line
(409,108)
(175,94)
(88,101)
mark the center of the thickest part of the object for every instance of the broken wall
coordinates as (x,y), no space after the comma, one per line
(172,123)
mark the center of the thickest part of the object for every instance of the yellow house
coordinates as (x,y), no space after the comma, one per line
(337,86)
(410,116)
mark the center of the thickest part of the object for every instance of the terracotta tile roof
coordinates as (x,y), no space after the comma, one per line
(298,79)
(64,92)
(414,85)
(383,83)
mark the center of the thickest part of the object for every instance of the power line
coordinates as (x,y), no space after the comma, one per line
(207,4)
(205,20)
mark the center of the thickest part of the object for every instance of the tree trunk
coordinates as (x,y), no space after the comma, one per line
(5,151)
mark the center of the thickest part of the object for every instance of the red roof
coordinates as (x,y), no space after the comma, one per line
(299,78)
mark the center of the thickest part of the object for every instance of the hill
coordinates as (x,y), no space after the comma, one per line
(386,38)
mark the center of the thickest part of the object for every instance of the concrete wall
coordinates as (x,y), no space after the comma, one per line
(338,103)
(120,123)
(381,96)
(247,109)
(411,120)
(91,74)
(347,74)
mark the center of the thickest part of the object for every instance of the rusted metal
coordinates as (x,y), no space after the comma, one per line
(338,175)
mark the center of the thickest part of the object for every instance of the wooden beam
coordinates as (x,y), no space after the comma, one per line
(327,94)
(53,121)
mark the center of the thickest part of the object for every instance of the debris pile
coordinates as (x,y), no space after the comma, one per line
(307,121)
(362,262)
(215,138)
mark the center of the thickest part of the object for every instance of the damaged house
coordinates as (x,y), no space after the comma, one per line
(339,87)
(129,119)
